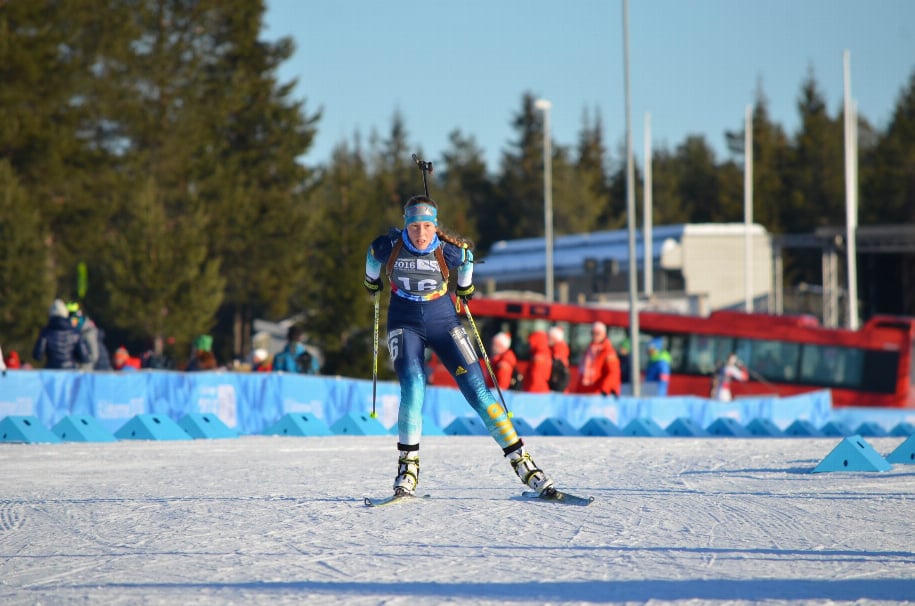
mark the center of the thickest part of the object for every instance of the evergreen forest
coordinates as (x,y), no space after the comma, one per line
(150,169)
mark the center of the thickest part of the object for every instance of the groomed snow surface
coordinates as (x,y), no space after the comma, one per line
(280,520)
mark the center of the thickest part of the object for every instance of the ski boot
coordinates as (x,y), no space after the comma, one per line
(529,473)
(407,472)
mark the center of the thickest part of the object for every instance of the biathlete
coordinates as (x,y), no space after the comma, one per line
(418,260)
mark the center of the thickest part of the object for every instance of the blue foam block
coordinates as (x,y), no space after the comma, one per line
(151,427)
(802,427)
(362,424)
(853,454)
(761,427)
(466,426)
(82,428)
(556,426)
(684,426)
(600,426)
(903,428)
(523,427)
(27,429)
(869,429)
(205,425)
(836,429)
(298,424)
(904,453)
(644,428)
(726,426)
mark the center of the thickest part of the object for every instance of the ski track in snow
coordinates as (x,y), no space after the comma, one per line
(280,520)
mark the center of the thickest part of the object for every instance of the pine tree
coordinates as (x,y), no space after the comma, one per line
(25,290)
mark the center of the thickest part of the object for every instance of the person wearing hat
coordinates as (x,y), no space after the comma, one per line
(504,361)
(418,261)
(58,344)
(599,372)
(658,370)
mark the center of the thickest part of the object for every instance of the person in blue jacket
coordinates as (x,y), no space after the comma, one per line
(59,345)
(658,370)
(418,261)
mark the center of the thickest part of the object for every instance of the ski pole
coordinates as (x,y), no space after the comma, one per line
(425,167)
(375,357)
(476,333)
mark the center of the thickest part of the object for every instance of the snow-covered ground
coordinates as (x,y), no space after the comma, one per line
(280,520)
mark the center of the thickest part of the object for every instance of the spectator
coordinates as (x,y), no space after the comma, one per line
(260,360)
(295,357)
(732,370)
(202,357)
(599,372)
(537,376)
(12,360)
(122,360)
(2,363)
(658,370)
(559,374)
(58,345)
(87,328)
(504,361)
(624,353)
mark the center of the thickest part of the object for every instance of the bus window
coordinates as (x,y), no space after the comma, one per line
(705,353)
(833,366)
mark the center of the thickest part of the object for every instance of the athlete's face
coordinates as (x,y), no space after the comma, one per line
(421,233)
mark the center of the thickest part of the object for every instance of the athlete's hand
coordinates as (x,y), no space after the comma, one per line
(466,293)
(374,286)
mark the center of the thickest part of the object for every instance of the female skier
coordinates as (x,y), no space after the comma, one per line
(418,261)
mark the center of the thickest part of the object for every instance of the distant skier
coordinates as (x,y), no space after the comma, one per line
(731,370)
(418,260)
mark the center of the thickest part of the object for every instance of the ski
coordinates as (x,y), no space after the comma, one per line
(559,497)
(394,498)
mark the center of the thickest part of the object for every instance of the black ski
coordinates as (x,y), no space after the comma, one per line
(559,497)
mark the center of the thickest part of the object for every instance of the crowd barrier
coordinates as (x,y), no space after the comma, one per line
(251,402)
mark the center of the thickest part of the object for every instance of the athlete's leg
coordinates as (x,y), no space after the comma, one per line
(407,350)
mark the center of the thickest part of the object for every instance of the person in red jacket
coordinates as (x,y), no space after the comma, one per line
(537,377)
(503,361)
(559,376)
(600,366)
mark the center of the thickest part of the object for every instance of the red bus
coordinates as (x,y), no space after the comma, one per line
(785,355)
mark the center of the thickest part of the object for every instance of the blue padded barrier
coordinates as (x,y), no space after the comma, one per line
(764,428)
(600,426)
(903,429)
(358,424)
(904,453)
(302,424)
(523,427)
(871,429)
(644,428)
(151,427)
(556,426)
(726,426)
(466,426)
(25,429)
(205,425)
(836,429)
(803,427)
(853,454)
(684,426)
(82,428)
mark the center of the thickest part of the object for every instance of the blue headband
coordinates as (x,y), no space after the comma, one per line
(420,212)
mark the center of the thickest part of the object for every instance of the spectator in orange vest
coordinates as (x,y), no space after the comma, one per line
(537,377)
(600,366)
(503,360)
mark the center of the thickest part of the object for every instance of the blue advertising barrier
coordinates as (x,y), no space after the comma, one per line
(251,402)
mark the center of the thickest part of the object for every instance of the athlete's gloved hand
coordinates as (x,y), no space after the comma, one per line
(374,286)
(466,293)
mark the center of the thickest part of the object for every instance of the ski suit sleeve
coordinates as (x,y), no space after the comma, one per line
(377,255)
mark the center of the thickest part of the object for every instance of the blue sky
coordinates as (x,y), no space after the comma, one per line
(694,65)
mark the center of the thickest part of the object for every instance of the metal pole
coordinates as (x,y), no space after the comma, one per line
(635,369)
(544,106)
(748,207)
(851,194)
(647,224)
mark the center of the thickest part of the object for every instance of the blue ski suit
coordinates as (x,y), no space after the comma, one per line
(423,314)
